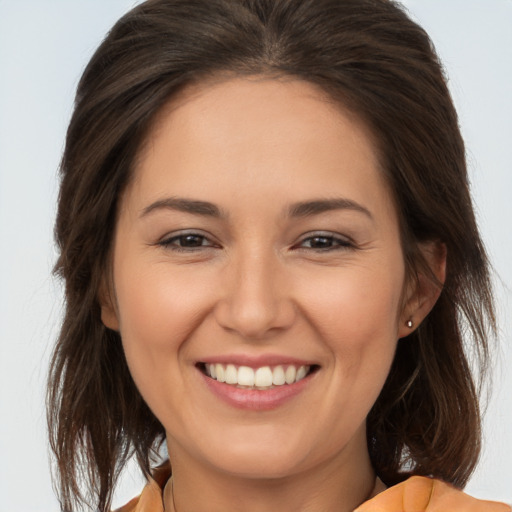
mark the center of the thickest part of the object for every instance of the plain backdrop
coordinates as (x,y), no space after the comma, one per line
(44,45)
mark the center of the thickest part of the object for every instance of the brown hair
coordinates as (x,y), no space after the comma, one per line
(371,57)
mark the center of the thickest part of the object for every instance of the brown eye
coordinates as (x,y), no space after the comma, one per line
(321,242)
(325,242)
(186,241)
(190,240)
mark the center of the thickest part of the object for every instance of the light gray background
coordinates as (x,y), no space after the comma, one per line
(44,45)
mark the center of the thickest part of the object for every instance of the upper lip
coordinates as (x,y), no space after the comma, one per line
(256,361)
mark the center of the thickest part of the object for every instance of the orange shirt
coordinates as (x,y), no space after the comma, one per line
(417,494)
(420,494)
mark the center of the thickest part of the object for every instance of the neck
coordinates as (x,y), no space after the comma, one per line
(337,485)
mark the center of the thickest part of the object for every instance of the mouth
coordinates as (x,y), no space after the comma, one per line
(262,378)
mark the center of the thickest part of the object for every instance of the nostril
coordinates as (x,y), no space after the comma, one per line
(256,323)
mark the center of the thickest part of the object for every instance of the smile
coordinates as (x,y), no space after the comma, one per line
(262,378)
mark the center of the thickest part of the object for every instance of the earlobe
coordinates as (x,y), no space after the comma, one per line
(426,289)
(109,316)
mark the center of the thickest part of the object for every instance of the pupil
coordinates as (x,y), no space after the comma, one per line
(320,242)
(191,240)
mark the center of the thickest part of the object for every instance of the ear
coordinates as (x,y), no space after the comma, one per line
(423,290)
(109,316)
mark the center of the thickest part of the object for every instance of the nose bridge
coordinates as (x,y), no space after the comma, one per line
(255,301)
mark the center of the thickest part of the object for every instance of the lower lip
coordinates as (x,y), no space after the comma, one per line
(256,399)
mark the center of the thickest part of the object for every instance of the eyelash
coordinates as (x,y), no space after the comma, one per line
(170,243)
(335,243)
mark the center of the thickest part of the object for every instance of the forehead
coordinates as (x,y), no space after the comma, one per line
(232,102)
(260,132)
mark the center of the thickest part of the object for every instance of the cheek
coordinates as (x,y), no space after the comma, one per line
(157,312)
(356,304)
(158,303)
(356,315)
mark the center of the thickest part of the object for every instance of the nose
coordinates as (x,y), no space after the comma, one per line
(255,301)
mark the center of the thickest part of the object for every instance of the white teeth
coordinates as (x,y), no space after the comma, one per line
(245,376)
(290,374)
(278,378)
(301,373)
(261,378)
(219,370)
(231,374)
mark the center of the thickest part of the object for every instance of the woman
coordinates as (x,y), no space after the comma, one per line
(270,256)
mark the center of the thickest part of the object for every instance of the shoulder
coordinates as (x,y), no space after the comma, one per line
(421,494)
(151,499)
(131,506)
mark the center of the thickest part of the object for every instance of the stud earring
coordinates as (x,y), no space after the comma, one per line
(409,323)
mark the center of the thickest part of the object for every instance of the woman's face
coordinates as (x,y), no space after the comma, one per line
(258,243)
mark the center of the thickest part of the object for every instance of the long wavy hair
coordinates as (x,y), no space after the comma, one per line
(373,59)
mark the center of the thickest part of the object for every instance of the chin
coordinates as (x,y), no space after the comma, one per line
(267,453)
(260,466)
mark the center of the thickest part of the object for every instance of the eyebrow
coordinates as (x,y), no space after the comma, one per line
(302,209)
(317,206)
(184,205)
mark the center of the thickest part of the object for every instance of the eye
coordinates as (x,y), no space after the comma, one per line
(325,242)
(186,242)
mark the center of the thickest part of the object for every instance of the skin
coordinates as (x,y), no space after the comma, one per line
(259,283)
